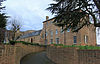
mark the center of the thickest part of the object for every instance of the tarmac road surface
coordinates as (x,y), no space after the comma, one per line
(38,58)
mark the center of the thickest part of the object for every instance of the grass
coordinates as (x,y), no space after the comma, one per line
(80,47)
(23,42)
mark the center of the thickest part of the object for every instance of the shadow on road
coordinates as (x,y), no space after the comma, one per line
(38,58)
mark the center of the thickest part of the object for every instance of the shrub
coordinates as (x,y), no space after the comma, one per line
(23,42)
(12,42)
(80,47)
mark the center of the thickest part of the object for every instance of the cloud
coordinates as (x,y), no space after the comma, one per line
(32,12)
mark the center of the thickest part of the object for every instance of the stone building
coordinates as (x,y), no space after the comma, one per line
(54,34)
(32,37)
(5,35)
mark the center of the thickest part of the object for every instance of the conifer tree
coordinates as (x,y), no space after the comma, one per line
(75,14)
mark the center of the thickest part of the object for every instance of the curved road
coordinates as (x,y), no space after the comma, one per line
(39,58)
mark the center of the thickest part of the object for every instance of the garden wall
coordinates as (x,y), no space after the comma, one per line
(12,54)
(71,55)
(88,56)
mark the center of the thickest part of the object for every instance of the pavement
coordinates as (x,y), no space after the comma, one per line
(37,58)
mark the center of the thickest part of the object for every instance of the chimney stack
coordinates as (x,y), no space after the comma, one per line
(47,17)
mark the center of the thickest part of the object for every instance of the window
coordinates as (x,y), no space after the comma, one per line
(57,40)
(68,30)
(56,31)
(31,40)
(62,31)
(51,33)
(46,34)
(46,41)
(75,39)
(51,41)
(85,38)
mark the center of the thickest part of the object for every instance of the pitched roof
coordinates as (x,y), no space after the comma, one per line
(36,33)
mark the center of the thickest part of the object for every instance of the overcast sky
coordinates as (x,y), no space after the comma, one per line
(31,12)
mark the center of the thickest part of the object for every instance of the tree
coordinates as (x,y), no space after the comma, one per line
(3,20)
(74,14)
(15,26)
(3,17)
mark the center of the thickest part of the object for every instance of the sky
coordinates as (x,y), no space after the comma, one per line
(31,13)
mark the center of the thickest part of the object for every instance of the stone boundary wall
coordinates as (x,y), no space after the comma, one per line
(73,55)
(88,56)
(12,54)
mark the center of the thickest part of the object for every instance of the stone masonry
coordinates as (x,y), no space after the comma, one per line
(73,55)
(54,34)
(12,54)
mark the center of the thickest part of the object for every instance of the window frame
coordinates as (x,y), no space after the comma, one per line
(85,39)
(68,30)
(75,39)
(51,33)
(57,40)
(51,41)
(56,31)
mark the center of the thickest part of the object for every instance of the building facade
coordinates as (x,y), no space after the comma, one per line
(32,37)
(5,35)
(54,34)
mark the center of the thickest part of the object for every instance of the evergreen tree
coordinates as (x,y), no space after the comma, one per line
(3,20)
(74,14)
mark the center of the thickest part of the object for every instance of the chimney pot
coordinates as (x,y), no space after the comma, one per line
(47,17)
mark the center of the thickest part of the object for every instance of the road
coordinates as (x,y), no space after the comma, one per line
(38,58)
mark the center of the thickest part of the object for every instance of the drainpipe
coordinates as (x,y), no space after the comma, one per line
(45,35)
(47,17)
(64,37)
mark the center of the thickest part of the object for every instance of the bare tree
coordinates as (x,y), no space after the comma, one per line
(15,25)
